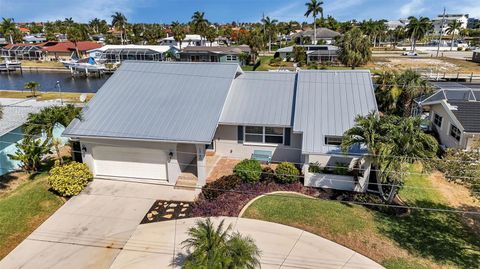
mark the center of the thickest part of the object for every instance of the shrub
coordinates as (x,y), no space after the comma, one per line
(248,170)
(214,189)
(268,174)
(314,168)
(69,179)
(287,173)
(341,169)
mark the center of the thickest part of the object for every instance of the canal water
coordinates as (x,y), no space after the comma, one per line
(47,80)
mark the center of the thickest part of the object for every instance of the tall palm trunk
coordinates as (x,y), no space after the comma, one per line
(269,43)
(314,41)
(453,40)
(11,39)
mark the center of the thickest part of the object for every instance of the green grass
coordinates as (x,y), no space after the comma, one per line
(68,96)
(23,209)
(422,239)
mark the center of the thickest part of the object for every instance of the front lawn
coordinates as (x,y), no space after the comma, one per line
(23,209)
(423,239)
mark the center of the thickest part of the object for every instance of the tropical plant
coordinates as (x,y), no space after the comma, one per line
(200,24)
(354,48)
(7,27)
(300,55)
(30,153)
(212,247)
(211,34)
(373,29)
(45,121)
(417,29)
(270,27)
(74,35)
(32,86)
(178,33)
(387,91)
(248,170)
(286,172)
(453,28)
(119,21)
(392,142)
(412,85)
(70,179)
(314,8)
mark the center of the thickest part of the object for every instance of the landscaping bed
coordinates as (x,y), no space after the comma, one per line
(167,210)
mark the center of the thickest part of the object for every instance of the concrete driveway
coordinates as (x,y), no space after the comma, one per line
(156,245)
(90,229)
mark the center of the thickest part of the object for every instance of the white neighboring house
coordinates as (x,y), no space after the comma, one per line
(454,113)
(120,53)
(163,121)
(438,21)
(189,40)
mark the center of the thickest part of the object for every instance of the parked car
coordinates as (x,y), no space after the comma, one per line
(410,53)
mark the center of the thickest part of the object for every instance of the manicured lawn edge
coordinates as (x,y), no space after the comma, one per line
(267,194)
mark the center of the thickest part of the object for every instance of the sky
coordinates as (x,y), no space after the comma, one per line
(166,11)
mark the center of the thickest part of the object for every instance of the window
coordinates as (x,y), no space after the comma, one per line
(455,132)
(267,135)
(231,57)
(437,120)
(333,140)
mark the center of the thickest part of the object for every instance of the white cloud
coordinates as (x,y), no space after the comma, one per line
(341,5)
(413,7)
(285,13)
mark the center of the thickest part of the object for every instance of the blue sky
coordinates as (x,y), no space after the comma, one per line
(165,11)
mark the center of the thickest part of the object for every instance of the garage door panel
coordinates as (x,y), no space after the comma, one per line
(130,162)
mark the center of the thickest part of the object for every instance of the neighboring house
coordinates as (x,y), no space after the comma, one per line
(324,35)
(314,53)
(64,50)
(392,25)
(214,54)
(454,113)
(189,40)
(160,121)
(119,53)
(51,50)
(34,39)
(439,21)
(15,113)
(476,56)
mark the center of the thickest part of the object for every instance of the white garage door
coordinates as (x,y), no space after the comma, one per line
(130,162)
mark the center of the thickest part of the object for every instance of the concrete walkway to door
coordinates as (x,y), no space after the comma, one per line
(90,230)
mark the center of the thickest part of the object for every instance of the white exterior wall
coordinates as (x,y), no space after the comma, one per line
(173,163)
(472,140)
(444,131)
(226,144)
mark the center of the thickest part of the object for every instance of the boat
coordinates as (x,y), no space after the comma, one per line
(86,65)
(9,65)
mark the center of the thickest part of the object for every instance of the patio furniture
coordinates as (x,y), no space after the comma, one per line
(262,155)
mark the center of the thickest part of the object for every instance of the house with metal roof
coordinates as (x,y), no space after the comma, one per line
(322,34)
(159,121)
(313,53)
(215,54)
(454,114)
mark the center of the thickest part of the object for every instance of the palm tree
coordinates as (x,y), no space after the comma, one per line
(417,29)
(210,247)
(119,21)
(354,48)
(32,86)
(200,24)
(45,122)
(387,91)
(178,33)
(412,85)
(95,25)
(7,27)
(74,35)
(270,28)
(314,8)
(30,153)
(392,143)
(453,28)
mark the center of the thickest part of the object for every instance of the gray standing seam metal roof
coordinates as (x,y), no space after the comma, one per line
(163,102)
(261,98)
(327,103)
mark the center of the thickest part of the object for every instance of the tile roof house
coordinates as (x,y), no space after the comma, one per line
(156,121)
(48,50)
(454,113)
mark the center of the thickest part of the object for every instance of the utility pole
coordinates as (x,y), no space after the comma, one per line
(441,31)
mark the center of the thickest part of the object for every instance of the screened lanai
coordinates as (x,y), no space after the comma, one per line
(137,54)
(23,52)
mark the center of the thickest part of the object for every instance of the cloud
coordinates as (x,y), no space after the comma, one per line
(341,5)
(413,7)
(285,13)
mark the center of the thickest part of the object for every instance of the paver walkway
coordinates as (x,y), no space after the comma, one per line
(91,228)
